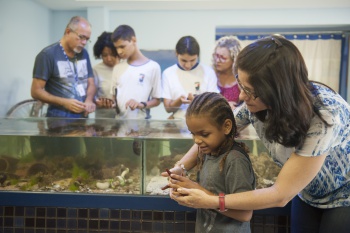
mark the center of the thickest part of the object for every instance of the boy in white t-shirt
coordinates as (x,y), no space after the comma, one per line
(136,83)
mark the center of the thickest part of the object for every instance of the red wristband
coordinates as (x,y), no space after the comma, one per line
(222,202)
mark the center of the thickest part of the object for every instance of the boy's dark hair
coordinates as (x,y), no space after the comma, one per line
(124,32)
(187,45)
(104,40)
(217,109)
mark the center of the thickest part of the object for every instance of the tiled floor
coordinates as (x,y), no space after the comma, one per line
(82,220)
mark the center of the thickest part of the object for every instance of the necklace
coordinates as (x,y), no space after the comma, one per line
(74,70)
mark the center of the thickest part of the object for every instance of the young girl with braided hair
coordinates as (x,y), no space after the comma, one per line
(223,164)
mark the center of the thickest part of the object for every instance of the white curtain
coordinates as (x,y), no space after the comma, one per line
(322,56)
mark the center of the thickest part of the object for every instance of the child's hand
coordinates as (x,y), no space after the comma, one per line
(191,96)
(132,104)
(167,173)
(105,102)
(177,181)
(175,170)
(185,100)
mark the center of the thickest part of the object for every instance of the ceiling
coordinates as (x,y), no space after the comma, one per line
(191,4)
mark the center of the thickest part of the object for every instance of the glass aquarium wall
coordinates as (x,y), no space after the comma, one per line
(101,155)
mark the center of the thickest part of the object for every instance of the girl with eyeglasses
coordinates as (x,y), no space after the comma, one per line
(305,125)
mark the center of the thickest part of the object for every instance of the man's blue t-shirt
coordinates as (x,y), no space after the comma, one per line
(63,76)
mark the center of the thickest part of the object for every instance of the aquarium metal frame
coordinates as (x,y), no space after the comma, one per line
(111,201)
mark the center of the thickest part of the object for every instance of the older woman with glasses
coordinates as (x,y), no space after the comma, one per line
(305,126)
(225,53)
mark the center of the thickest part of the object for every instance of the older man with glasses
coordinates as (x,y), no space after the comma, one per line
(63,78)
(62,74)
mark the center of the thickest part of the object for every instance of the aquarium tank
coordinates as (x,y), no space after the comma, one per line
(102,155)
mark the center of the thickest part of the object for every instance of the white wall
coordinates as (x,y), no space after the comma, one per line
(60,20)
(24,30)
(162,29)
(26,27)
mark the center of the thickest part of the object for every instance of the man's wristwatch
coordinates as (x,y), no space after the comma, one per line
(144,104)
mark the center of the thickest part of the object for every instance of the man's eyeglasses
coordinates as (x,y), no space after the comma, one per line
(249,93)
(219,57)
(82,37)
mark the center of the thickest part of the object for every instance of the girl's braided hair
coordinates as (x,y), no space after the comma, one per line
(217,109)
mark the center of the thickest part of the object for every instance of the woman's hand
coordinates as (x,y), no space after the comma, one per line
(194,198)
(182,186)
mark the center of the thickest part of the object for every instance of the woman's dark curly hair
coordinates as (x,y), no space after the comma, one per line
(277,72)
(218,110)
(104,40)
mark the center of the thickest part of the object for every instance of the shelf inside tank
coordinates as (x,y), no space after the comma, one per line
(101,155)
